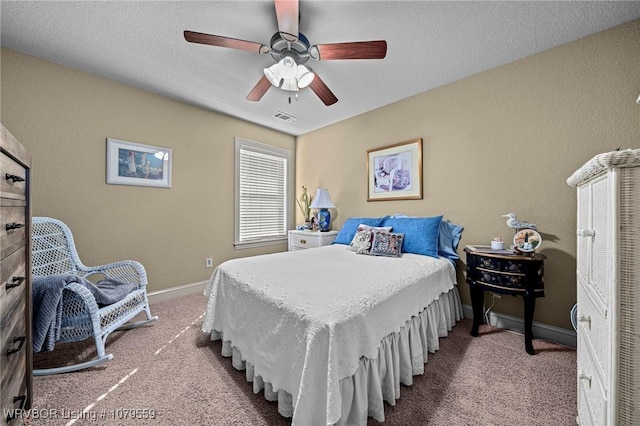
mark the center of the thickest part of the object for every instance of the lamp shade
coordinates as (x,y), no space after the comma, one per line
(305,76)
(322,200)
(273,74)
(289,84)
(288,68)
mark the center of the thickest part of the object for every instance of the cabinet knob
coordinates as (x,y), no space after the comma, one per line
(12,226)
(303,241)
(15,282)
(20,340)
(584,318)
(584,376)
(22,399)
(13,178)
(586,233)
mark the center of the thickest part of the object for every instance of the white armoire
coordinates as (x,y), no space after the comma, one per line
(608,289)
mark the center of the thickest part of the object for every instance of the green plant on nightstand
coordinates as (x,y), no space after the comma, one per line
(304,203)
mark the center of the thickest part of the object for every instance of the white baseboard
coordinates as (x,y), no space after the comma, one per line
(540,331)
(178,291)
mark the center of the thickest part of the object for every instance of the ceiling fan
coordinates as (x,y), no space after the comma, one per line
(291,50)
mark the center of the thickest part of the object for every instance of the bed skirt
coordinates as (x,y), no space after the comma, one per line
(401,356)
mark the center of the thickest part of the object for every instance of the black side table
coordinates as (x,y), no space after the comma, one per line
(513,274)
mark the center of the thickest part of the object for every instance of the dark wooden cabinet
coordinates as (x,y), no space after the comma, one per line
(511,274)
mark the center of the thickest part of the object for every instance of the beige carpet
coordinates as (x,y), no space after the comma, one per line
(172,371)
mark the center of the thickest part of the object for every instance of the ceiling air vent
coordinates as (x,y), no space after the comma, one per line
(284,117)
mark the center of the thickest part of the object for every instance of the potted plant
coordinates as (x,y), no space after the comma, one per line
(304,203)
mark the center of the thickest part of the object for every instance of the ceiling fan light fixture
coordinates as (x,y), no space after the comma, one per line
(273,74)
(288,68)
(290,85)
(281,73)
(304,77)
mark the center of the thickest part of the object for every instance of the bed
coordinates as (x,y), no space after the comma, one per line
(331,333)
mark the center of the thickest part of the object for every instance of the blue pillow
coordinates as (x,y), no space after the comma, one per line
(420,233)
(448,240)
(350,227)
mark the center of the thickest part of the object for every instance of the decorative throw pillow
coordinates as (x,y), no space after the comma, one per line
(386,244)
(361,242)
(348,230)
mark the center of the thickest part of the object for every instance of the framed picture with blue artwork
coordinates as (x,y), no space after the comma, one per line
(130,163)
(394,172)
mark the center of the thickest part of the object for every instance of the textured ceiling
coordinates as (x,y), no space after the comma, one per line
(429,44)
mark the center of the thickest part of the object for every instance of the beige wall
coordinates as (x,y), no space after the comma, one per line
(498,142)
(64,116)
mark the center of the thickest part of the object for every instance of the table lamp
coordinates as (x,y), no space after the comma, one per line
(322,201)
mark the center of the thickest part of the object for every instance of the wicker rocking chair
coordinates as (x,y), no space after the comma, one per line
(54,253)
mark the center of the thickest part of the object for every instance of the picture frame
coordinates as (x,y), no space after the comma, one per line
(394,172)
(130,163)
(527,240)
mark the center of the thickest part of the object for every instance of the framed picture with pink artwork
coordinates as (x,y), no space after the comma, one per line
(394,172)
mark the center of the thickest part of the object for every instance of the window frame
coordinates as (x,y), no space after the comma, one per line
(245,144)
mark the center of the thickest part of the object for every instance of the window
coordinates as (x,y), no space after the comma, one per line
(262,194)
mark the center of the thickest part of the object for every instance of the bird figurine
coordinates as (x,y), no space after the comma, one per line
(512,222)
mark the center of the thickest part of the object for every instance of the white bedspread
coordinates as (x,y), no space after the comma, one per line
(305,318)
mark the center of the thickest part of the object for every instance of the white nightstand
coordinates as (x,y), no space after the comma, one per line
(300,240)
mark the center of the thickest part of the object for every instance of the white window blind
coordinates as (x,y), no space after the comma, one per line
(262,187)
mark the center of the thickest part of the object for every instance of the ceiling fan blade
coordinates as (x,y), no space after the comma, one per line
(233,43)
(259,89)
(288,16)
(320,88)
(376,49)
